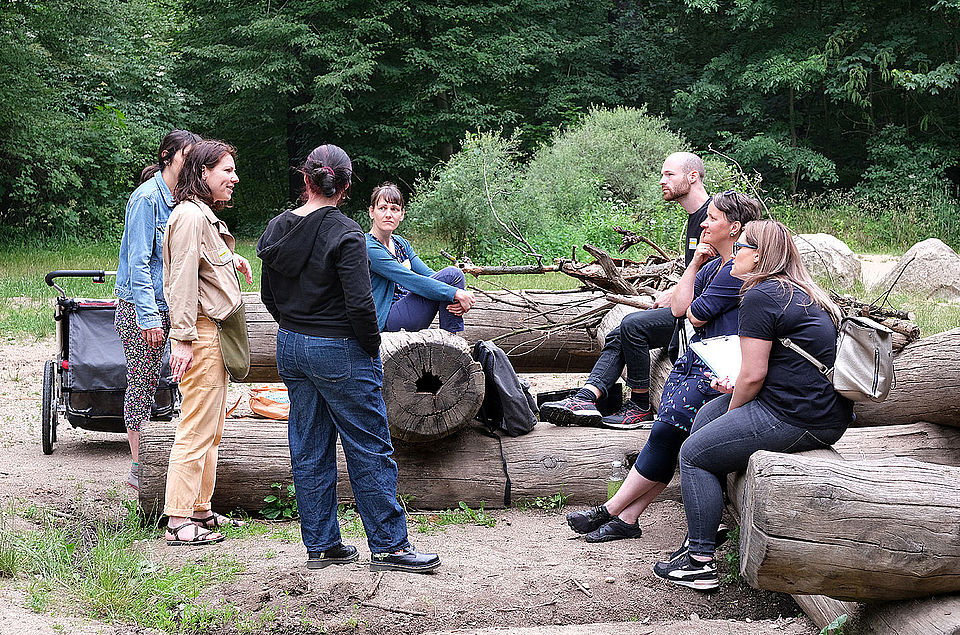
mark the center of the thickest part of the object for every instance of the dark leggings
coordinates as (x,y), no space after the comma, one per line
(658,458)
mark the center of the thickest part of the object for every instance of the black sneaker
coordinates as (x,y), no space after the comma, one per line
(408,559)
(572,411)
(722,532)
(340,554)
(589,519)
(630,417)
(685,571)
(615,529)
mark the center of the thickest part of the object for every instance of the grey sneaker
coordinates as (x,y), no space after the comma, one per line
(133,478)
(572,411)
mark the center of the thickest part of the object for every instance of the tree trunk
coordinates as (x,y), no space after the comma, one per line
(431,385)
(863,530)
(496,314)
(927,442)
(465,467)
(927,385)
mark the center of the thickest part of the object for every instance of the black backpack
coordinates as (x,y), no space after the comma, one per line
(507,406)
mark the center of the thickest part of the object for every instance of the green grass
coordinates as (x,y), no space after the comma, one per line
(430,523)
(103,569)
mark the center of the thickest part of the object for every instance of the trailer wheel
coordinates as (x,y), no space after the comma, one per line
(48,414)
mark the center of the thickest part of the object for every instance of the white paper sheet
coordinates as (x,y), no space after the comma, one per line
(721,354)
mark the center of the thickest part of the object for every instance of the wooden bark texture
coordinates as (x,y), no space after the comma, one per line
(464,467)
(927,442)
(495,314)
(853,530)
(927,385)
(431,385)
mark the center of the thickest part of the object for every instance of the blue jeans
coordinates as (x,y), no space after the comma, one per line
(414,312)
(721,442)
(335,388)
(629,345)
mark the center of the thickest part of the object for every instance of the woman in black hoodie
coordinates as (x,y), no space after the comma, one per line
(316,285)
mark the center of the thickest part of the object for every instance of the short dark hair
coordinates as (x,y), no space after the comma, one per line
(328,170)
(387,191)
(191,186)
(173,142)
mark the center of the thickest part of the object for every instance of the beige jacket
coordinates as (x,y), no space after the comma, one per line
(199,273)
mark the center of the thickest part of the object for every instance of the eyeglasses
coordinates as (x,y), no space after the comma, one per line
(737,246)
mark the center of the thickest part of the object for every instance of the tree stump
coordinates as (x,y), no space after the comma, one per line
(927,385)
(853,530)
(431,385)
(464,467)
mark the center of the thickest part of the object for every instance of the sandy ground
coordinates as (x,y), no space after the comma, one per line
(523,576)
(873,267)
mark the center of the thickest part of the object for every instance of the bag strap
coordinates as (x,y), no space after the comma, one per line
(488,432)
(827,372)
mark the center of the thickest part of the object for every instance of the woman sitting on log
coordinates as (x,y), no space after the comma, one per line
(708,296)
(200,284)
(316,285)
(408,293)
(778,402)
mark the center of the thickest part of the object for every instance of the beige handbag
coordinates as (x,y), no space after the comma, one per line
(864,367)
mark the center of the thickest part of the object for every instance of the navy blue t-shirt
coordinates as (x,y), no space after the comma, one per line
(716,300)
(794,390)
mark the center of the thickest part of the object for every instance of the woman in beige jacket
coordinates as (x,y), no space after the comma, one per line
(200,284)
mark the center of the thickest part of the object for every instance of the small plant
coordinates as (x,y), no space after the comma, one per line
(836,627)
(280,505)
(351,525)
(731,556)
(556,502)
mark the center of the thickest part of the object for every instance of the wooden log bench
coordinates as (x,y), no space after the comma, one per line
(464,467)
(853,530)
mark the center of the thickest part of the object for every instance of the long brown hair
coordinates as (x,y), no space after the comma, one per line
(779,259)
(191,186)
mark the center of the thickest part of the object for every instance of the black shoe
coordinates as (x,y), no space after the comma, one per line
(629,417)
(572,411)
(340,554)
(615,529)
(408,559)
(685,571)
(589,519)
(721,538)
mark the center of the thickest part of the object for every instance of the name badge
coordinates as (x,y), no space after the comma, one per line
(692,244)
(225,255)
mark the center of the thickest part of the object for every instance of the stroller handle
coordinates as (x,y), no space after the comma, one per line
(98,275)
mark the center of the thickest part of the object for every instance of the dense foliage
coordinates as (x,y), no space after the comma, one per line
(860,97)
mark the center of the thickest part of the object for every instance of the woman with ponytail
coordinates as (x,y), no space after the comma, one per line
(142,320)
(316,285)
(778,402)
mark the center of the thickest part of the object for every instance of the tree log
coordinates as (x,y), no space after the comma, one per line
(431,385)
(927,442)
(853,530)
(465,467)
(927,385)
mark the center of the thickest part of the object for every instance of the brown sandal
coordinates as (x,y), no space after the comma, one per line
(202,536)
(215,521)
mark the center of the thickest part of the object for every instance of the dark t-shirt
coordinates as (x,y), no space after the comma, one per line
(694,230)
(716,300)
(794,390)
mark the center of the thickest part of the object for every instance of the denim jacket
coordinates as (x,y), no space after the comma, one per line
(140,270)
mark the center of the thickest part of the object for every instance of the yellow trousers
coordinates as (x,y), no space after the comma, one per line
(192,473)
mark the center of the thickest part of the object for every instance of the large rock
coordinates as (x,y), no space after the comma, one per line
(929,268)
(826,256)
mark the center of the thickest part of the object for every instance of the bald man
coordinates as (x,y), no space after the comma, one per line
(628,345)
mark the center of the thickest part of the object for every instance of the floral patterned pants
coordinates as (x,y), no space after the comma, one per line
(143,365)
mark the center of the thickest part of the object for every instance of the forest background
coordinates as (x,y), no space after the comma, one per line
(555,113)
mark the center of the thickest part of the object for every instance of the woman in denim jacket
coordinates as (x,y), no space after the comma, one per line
(142,319)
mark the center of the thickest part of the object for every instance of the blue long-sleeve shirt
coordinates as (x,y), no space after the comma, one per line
(140,270)
(386,273)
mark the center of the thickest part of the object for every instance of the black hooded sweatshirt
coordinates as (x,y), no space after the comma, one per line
(316,277)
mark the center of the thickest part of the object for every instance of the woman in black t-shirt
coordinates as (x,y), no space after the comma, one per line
(779,401)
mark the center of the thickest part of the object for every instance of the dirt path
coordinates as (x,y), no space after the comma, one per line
(522,577)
